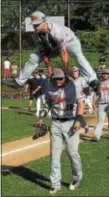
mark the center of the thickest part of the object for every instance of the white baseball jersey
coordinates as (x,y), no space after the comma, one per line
(104,92)
(62,34)
(80,83)
(64,100)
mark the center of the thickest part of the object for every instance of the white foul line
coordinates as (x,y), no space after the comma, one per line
(35,145)
(25,148)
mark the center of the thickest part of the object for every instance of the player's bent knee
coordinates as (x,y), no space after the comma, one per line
(33,58)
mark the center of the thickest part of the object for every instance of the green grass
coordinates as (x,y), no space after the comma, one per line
(14,102)
(32,179)
(17,123)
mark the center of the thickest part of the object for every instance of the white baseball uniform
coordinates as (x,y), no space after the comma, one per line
(79,83)
(66,39)
(103,107)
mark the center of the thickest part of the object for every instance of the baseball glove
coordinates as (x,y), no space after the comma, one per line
(43,129)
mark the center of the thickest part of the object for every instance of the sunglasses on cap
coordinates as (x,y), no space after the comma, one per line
(59,79)
(105,73)
(74,71)
(36,25)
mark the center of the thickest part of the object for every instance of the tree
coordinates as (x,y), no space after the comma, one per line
(99,15)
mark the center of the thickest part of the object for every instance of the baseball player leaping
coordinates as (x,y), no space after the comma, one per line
(52,40)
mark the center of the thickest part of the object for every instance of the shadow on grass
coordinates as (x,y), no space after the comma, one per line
(6,170)
(29,175)
(26,113)
(33,125)
(106,136)
(15,107)
(85,137)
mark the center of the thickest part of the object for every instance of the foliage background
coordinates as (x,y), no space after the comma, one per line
(89,19)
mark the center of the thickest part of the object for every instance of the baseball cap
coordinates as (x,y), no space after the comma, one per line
(102,59)
(58,73)
(37,17)
(75,68)
(105,71)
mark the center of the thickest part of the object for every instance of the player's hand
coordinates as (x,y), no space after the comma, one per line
(46,60)
(76,125)
(34,92)
(40,122)
(49,70)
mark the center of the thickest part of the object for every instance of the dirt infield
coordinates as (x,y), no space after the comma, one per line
(23,151)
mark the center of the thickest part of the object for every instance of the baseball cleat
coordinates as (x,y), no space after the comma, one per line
(12,84)
(54,190)
(94,139)
(86,129)
(35,136)
(73,185)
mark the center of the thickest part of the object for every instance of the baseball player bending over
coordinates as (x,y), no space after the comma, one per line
(60,98)
(52,40)
(103,105)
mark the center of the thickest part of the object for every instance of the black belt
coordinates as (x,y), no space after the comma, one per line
(62,119)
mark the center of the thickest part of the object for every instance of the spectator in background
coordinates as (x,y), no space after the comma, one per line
(41,73)
(102,63)
(103,105)
(14,69)
(80,83)
(89,101)
(102,60)
(34,86)
(46,85)
(6,69)
(102,66)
